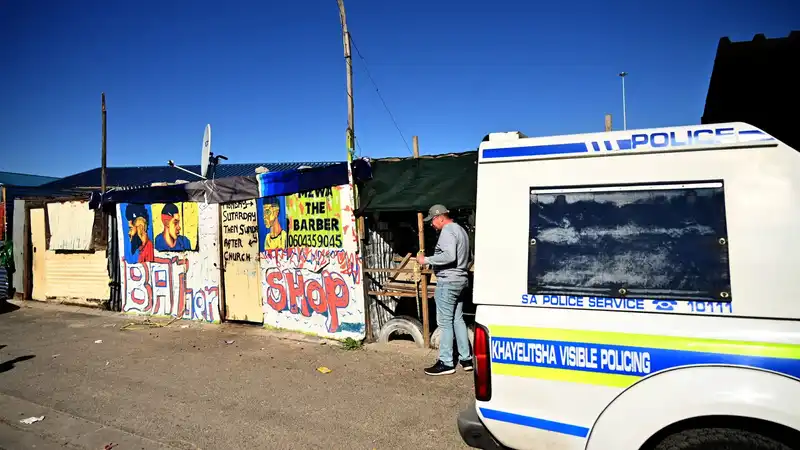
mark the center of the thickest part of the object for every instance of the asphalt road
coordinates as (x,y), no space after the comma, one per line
(186,387)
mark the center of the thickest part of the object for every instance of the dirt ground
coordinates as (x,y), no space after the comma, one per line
(193,385)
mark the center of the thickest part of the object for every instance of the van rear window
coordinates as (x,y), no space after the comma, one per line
(658,241)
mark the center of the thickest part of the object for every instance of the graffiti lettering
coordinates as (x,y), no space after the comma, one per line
(245,216)
(240,229)
(322,294)
(240,234)
(236,256)
(315,260)
(160,288)
(317,193)
(328,224)
(232,243)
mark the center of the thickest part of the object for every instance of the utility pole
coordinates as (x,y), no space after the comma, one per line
(351,145)
(103,145)
(624,106)
(608,122)
(348,59)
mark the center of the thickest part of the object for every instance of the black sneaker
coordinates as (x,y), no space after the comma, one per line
(466,365)
(440,369)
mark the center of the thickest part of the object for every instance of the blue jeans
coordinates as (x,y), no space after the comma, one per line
(450,318)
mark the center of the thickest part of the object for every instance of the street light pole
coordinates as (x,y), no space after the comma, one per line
(624,106)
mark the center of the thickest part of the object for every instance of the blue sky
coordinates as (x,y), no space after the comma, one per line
(269,76)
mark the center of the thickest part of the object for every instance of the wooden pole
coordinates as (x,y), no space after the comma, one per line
(103,144)
(426,325)
(348,59)
(351,145)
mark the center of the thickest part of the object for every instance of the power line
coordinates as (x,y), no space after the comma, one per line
(377,91)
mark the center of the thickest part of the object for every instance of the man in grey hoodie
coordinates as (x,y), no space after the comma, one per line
(450,262)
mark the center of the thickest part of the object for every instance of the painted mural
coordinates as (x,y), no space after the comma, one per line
(175,227)
(170,260)
(273,228)
(311,273)
(316,219)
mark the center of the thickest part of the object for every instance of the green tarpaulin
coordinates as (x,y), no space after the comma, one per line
(416,184)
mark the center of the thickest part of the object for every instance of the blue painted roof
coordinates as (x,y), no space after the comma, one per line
(145,176)
(23,179)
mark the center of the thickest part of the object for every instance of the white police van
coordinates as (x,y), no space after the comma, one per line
(637,290)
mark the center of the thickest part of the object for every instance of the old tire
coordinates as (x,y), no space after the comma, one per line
(437,335)
(719,439)
(404,325)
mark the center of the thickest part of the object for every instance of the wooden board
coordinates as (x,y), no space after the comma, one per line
(38,248)
(240,261)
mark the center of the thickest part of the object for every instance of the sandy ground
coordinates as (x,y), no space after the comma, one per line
(184,386)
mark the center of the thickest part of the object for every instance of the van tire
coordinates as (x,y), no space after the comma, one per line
(719,439)
(436,336)
(402,325)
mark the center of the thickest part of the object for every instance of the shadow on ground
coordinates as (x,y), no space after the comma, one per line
(6,307)
(8,365)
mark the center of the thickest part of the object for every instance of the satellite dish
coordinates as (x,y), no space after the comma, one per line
(206,151)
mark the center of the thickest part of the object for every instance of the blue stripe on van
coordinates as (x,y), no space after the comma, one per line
(533,422)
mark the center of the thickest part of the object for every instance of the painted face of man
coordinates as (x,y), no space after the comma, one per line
(271,212)
(133,234)
(174,226)
(137,231)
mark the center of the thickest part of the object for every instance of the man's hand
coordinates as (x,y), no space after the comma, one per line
(421,259)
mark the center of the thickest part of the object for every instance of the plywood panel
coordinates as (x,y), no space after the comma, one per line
(38,244)
(240,261)
(70,225)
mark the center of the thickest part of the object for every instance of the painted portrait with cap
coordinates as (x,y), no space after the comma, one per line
(139,245)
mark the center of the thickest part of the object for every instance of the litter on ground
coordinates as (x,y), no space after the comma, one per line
(31,420)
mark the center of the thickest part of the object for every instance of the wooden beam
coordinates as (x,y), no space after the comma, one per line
(426,326)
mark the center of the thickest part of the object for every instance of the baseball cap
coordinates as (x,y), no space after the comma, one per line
(434,211)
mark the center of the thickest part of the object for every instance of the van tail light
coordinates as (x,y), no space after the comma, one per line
(482,374)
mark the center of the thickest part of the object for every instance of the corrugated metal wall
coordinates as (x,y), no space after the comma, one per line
(3,284)
(378,254)
(78,278)
(113,261)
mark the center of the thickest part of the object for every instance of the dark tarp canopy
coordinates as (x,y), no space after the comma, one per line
(415,184)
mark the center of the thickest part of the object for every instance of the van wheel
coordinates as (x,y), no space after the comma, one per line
(719,439)
(402,325)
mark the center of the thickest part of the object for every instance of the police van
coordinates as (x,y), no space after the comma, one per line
(637,290)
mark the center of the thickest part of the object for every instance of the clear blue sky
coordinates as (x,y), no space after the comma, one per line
(269,76)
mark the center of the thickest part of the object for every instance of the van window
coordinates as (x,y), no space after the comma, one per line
(658,241)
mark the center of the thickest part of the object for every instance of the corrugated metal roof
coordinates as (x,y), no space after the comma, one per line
(145,176)
(23,179)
